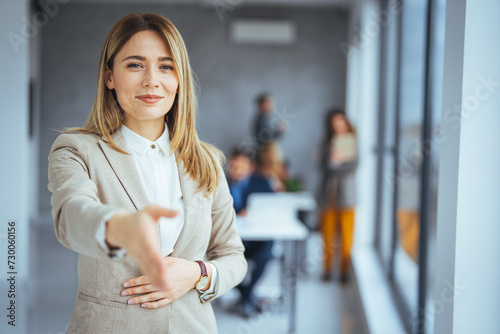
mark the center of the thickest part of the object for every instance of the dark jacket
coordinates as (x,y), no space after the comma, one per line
(338,182)
(256,184)
(265,128)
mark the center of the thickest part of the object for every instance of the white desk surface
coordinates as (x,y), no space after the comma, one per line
(289,229)
(302,200)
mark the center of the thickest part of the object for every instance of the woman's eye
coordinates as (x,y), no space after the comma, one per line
(166,67)
(134,65)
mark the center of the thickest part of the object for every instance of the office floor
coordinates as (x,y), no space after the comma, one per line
(321,307)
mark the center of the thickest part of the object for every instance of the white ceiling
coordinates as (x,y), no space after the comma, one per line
(233,3)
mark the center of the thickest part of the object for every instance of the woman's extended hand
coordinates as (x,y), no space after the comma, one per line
(137,234)
(181,276)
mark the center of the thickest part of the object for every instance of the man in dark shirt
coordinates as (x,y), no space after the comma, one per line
(243,181)
(267,126)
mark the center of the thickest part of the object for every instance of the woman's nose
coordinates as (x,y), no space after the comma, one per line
(150,78)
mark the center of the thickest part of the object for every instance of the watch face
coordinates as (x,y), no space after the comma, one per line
(203,282)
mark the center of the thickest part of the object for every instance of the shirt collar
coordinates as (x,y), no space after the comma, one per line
(140,145)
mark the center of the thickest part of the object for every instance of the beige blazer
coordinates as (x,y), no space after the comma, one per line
(88,180)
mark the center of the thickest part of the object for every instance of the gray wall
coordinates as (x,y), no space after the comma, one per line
(306,78)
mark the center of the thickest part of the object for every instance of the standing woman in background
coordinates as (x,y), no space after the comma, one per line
(116,182)
(339,162)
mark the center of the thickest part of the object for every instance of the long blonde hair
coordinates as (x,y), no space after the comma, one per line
(270,162)
(200,159)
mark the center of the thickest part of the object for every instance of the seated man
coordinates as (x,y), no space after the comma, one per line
(242,182)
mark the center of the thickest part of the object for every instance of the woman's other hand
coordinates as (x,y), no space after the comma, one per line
(137,234)
(181,276)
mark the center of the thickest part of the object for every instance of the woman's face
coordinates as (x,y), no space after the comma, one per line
(339,124)
(144,79)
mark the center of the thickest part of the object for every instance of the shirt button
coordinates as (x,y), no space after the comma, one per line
(153,146)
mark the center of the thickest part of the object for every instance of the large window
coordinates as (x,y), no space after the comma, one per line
(409,156)
(409,115)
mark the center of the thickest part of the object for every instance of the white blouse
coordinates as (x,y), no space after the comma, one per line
(159,175)
(157,166)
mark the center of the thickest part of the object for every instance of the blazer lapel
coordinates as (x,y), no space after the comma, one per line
(192,205)
(124,167)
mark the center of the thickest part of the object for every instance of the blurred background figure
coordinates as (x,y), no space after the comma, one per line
(338,190)
(243,181)
(271,165)
(267,126)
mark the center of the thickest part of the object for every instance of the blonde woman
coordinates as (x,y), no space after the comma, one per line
(270,164)
(142,200)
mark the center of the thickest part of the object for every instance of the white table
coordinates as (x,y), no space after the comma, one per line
(255,230)
(285,228)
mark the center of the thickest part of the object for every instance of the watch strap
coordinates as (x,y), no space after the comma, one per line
(203,268)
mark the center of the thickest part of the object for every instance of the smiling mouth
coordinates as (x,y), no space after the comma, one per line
(150,98)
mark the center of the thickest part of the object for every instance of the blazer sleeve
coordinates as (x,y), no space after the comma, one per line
(225,250)
(77,211)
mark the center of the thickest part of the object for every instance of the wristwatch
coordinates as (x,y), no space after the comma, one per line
(204,279)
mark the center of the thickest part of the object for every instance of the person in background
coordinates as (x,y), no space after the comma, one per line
(339,163)
(243,181)
(267,127)
(270,164)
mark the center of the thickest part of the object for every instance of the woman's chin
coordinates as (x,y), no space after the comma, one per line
(149,113)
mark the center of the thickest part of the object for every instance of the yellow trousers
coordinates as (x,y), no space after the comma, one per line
(337,224)
(409,231)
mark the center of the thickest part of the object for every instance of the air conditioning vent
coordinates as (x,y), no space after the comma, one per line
(251,31)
